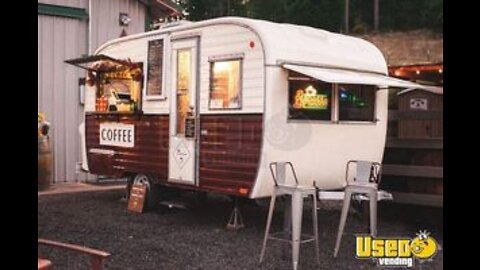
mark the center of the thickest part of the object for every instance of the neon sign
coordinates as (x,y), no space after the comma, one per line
(309,99)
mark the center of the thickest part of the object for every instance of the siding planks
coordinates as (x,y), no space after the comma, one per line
(149,154)
(229,151)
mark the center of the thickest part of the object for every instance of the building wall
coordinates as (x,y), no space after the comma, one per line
(70,3)
(62,38)
(59,39)
(104,19)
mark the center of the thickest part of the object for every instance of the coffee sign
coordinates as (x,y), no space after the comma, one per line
(116,134)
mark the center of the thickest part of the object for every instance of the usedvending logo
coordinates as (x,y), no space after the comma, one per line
(397,251)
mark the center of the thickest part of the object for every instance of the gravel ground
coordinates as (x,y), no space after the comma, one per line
(196,237)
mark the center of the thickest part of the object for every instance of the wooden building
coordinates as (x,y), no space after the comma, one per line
(413,160)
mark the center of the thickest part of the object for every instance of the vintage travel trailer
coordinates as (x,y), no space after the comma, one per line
(208,105)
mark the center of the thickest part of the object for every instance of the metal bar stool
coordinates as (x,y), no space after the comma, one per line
(293,216)
(365,181)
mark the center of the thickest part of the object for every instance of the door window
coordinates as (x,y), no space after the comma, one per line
(183,86)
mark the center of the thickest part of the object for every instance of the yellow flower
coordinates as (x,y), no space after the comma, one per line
(41,117)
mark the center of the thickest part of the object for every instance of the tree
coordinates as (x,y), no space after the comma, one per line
(376,15)
(357,16)
(206,9)
(347,15)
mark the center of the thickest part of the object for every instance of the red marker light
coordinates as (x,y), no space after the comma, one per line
(251,44)
(243,191)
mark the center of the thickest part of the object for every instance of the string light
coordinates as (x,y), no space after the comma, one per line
(418,72)
(440,71)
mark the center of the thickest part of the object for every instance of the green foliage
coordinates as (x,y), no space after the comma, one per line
(325,14)
(206,9)
(411,14)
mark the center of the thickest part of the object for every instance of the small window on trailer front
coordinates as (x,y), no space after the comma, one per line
(309,99)
(225,84)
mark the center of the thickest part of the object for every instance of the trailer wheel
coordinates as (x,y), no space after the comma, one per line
(153,191)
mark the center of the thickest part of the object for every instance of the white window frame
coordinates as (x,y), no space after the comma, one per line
(224,58)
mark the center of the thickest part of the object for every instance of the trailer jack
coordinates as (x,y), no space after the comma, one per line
(236,221)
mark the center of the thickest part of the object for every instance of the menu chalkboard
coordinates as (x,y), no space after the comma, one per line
(155,67)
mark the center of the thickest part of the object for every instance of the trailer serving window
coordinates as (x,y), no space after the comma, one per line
(225,84)
(309,99)
(118,83)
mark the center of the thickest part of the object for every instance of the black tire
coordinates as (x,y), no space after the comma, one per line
(152,198)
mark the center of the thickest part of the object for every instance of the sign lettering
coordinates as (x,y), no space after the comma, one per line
(310,99)
(116,134)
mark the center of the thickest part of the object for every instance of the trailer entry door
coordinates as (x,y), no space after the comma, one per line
(183,112)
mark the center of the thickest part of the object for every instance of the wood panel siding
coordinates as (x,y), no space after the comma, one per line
(229,152)
(149,154)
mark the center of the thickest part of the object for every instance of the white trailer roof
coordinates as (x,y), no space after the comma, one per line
(294,44)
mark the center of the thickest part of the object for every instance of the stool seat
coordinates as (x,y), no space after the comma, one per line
(290,189)
(292,226)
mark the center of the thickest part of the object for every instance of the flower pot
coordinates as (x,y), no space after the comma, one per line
(45,162)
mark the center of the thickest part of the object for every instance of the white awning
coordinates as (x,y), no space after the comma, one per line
(351,77)
(433,89)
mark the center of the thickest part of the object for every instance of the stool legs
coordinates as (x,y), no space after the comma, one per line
(373,213)
(315,229)
(343,219)
(269,222)
(293,224)
(373,196)
(297,209)
(287,224)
